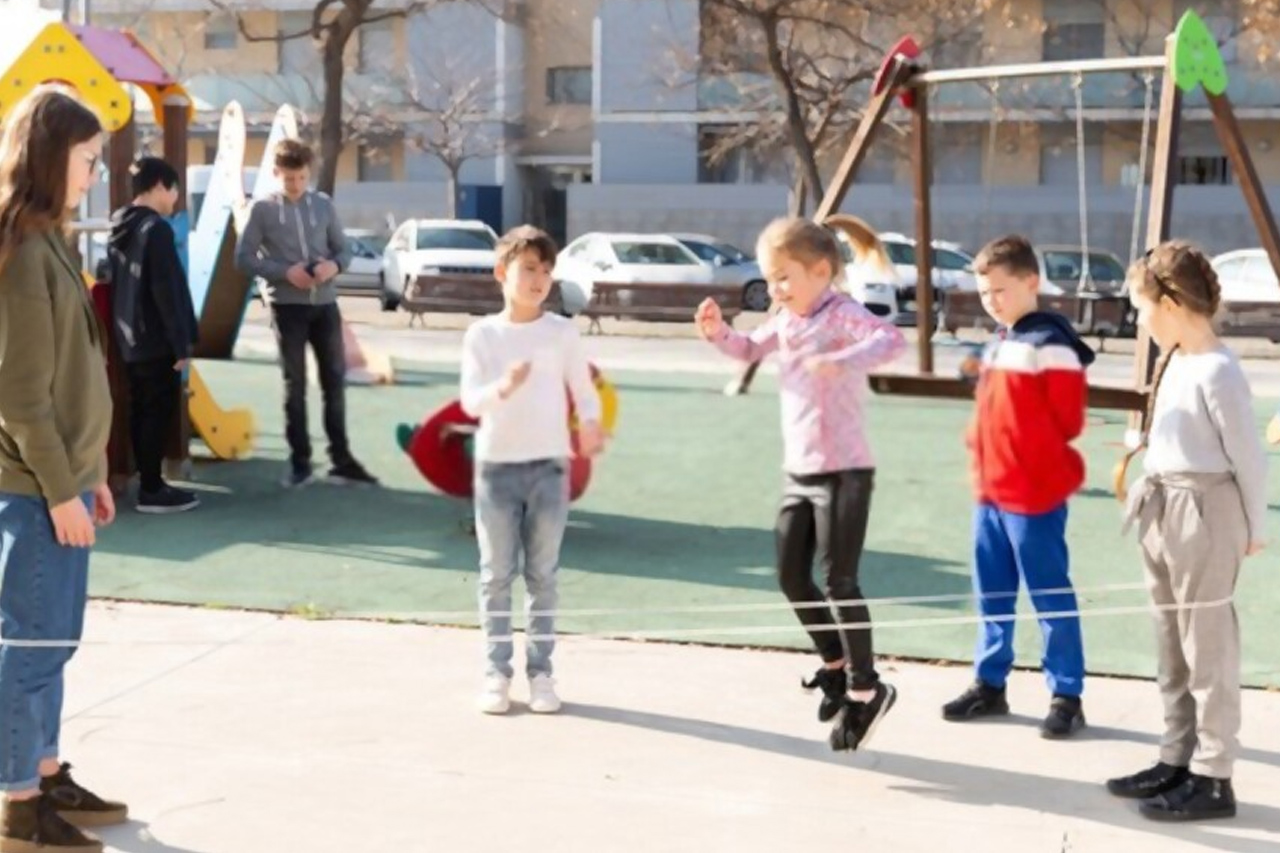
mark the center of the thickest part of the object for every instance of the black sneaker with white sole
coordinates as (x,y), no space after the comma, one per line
(351,474)
(298,476)
(166,501)
(857,721)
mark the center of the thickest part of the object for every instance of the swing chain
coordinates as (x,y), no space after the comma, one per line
(1149,80)
(989,178)
(1077,83)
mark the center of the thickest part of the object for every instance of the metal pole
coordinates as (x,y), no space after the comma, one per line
(1040,69)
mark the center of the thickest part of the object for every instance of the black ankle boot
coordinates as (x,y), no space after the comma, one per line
(35,824)
(1197,798)
(833,683)
(1148,783)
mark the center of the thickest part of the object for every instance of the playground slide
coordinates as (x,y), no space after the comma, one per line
(229,433)
(218,291)
(225,296)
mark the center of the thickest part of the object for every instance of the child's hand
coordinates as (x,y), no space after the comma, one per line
(590,439)
(514,377)
(1254,548)
(819,366)
(709,319)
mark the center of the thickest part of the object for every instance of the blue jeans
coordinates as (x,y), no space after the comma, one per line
(1008,546)
(43,587)
(521,511)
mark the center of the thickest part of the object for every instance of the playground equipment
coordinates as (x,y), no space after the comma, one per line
(442,447)
(1191,60)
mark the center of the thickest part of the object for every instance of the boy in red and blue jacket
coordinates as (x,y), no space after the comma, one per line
(1031,397)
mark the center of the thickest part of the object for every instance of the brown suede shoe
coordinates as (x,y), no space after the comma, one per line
(78,805)
(34,826)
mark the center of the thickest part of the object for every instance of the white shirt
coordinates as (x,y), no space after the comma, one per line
(1204,423)
(533,423)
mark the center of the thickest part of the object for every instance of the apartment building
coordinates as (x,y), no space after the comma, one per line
(597,114)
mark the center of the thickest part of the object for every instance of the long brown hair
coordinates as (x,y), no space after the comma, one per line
(1178,271)
(809,242)
(35,151)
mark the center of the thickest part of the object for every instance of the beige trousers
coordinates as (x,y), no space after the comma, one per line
(1193,533)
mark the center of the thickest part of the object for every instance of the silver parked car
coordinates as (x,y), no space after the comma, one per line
(732,266)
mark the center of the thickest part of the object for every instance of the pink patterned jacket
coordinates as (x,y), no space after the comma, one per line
(822,416)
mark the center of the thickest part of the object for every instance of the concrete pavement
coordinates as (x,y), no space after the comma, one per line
(236,732)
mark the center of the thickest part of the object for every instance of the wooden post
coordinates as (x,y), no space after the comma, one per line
(178,447)
(120,461)
(857,150)
(124,142)
(1224,121)
(1164,178)
(922,166)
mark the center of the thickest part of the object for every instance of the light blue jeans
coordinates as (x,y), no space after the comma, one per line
(43,587)
(521,512)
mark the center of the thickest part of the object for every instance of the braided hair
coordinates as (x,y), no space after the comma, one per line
(1178,271)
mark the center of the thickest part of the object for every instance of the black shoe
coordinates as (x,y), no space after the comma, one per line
(857,721)
(980,700)
(1150,782)
(1197,798)
(298,476)
(833,683)
(166,501)
(79,806)
(1065,718)
(351,474)
(35,825)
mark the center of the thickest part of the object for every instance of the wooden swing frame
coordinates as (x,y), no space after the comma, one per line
(902,76)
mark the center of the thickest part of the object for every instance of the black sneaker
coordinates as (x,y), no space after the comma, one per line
(833,683)
(857,721)
(1198,798)
(166,501)
(298,476)
(1148,783)
(78,805)
(980,700)
(34,826)
(1066,717)
(351,474)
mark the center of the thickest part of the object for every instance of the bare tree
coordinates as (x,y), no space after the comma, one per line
(333,24)
(454,118)
(802,66)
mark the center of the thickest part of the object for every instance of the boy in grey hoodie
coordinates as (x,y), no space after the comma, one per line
(295,243)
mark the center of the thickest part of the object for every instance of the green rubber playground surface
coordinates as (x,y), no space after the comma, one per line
(679,516)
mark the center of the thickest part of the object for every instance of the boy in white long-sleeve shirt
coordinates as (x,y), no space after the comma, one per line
(516,368)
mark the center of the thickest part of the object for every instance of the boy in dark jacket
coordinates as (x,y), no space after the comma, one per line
(154,324)
(1030,406)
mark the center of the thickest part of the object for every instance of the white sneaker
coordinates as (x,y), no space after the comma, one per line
(496,696)
(542,695)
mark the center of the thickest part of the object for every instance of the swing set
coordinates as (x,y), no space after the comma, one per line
(1191,60)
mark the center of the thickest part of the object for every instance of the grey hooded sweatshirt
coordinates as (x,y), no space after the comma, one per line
(281,233)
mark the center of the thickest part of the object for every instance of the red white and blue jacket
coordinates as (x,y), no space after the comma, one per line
(1031,399)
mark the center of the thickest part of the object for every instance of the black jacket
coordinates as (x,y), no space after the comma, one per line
(151,303)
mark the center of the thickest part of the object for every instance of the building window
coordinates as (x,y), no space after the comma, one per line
(373,166)
(569,85)
(1073,30)
(377,47)
(220,33)
(1205,171)
(297,54)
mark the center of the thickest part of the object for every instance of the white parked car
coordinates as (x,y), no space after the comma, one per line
(434,247)
(1246,275)
(952,270)
(871,283)
(626,259)
(732,266)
